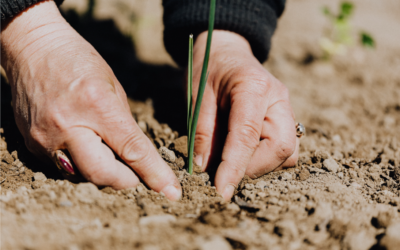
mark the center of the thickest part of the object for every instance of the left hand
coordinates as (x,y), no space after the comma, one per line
(245,112)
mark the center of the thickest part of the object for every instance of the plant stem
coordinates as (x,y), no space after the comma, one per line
(189,90)
(203,81)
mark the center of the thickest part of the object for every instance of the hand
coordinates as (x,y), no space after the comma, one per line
(246,105)
(65,96)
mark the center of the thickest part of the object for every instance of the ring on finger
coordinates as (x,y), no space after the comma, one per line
(300,130)
(63,163)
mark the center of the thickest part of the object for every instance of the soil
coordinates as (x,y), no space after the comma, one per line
(344,193)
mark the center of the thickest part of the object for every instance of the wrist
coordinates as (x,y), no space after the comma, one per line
(223,40)
(26,31)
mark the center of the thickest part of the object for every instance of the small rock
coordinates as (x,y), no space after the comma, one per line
(340,175)
(233,207)
(391,240)
(382,220)
(355,185)
(213,242)
(39,176)
(262,194)
(157,220)
(180,162)
(14,154)
(167,154)
(286,228)
(87,193)
(261,185)
(320,156)
(142,125)
(286,176)
(249,186)
(316,170)
(304,174)
(331,165)
(65,203)
(358,241)
(3,145)
(180,145)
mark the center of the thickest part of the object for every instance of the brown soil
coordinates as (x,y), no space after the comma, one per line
(344,192)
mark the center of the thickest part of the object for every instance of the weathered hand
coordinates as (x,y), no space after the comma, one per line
(246,105)
(65,96)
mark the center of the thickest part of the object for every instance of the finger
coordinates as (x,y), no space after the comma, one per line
(205,129)
(278,141)
(244,129)
(96,162)
(135,149)
(292,160)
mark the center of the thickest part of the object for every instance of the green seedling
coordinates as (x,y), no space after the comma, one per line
(339,35)
(193,117)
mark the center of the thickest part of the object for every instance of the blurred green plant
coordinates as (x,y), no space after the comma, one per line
(192,118)
(339,34)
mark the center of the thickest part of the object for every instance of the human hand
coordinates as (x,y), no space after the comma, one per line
(65,96)
(245,104)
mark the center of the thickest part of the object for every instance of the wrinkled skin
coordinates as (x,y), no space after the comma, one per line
(65,96)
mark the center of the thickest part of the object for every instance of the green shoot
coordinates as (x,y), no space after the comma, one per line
(339,35)
(189,89)
(367,40)
(202,86)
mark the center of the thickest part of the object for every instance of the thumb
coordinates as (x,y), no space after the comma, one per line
(205,128)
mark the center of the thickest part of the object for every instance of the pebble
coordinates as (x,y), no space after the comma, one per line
(331,165)
(213,242)
(261,185)
(87,193)
(39,176)
(304,174)
(355,185)
(180,145)
(286,176)
(249,186)
(286,228)
(391,240)
(358,241)
(65,203)
(157,220)
(233,207)
(142,125)
(315,170)
(167,154)
(3,145)
(340,175)
(320,156)
(262,195)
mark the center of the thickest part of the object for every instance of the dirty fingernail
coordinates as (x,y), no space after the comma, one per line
(172,192)
(228,192)
(198,160)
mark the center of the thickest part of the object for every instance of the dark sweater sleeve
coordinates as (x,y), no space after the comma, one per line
(253,19)
(10,8)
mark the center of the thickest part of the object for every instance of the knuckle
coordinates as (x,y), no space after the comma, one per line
(135,150)
(249,136)
(94,92)
(237,170)
(284,149)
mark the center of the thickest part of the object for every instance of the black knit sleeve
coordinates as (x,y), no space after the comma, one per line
(253,19)
(10,8)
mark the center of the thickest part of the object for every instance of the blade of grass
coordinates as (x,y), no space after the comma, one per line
(189,89)
(203,81)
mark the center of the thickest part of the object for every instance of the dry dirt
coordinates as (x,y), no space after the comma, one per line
(344,192)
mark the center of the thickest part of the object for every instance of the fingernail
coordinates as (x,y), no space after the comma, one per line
(172,192)
(66,165)
(228,192)
(198,160)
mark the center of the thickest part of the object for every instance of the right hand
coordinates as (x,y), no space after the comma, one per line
(65,96)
